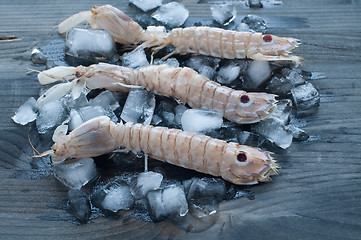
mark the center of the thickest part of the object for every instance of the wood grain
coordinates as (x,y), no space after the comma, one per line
(316,195)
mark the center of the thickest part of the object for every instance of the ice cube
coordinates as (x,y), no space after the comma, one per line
(156,120)
(203,207)
(226,133)
(144,20)
(250,139)
(75,119)
(230,72)
(283,111)
(199,120)
(81,101)
(242,27)
(164,106)
(172,14)
(283,84)
(139,107)
(171,62)
(51,114)
(146,5)
(205,66)
(118,196)
(196,188)
(89,45)
(90,112)
(168,118)
(76,173)
(106,100)
(38,57)
(223,13)
(79,204)
(258,72)
(255,3)
(298,133)
(305,97)
(167,202)
(256,23)
(135,59)
(144,183)
(273,130)
(27,112)
(179,110)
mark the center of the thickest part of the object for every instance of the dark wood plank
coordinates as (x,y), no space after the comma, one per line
(315,196)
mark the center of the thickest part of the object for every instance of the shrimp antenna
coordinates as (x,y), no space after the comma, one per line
(46,153)
(38,154)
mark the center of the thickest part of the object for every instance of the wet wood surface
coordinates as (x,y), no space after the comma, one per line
(317,193)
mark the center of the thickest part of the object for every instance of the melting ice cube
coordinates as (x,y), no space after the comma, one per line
(135,59)
(283,111)
(229,72)
(117,197)
(198,120)
(76,173)
(75,119)
(298,133)
(146,5)
(90,112)
(196,188)
(171,62)
(51,114)
(139,107)
(167,202)
(106,100)
(283,84)
(172,14)
(305,97)
(27,112)
(79,204)
(255,3)
(256,23)
(179,110)
(250,139)
(204,65)
(145,182)
(223,13)
(258,72)
(91,45)
(203,207)
(273,130)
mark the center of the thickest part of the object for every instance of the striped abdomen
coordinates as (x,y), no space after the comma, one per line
(214,42)
(185,149)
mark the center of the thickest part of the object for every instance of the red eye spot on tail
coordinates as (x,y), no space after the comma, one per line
(242,157)
(267,38)
(244,99)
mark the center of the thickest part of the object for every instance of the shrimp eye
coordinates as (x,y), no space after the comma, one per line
(267,38)
(244,99)
(241,157)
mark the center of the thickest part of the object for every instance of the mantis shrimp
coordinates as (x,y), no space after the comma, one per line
(235,163)
(208,41)
(184,84)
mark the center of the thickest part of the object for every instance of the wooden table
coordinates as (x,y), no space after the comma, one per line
(317,194)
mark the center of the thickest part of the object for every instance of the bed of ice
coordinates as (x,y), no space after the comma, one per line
(117,183)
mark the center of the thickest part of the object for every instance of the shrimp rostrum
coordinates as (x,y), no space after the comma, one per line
(235,163)
(208,41)
(184,84)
